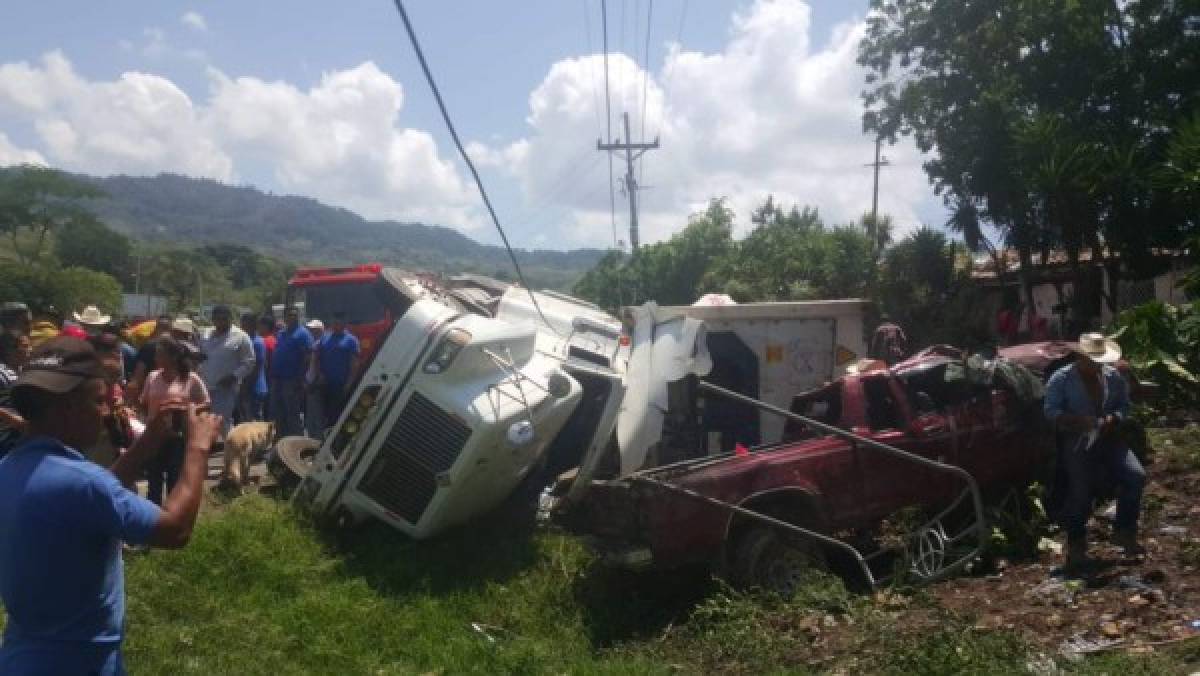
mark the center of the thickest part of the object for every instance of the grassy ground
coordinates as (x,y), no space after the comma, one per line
(258,591)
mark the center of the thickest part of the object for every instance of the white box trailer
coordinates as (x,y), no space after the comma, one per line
(772,351)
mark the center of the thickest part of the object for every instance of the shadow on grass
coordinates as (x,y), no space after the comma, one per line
(620,605)
(466,558)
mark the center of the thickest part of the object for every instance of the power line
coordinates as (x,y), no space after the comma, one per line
(668,75)
(437,95)
(612,193)
(587,29)
(645,82)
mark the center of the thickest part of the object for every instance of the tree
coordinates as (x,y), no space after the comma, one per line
(35,202)
(922,288)
(66,289)
(86,242)
(1042,117)
(671,272)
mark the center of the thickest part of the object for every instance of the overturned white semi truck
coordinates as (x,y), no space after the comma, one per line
(477,388)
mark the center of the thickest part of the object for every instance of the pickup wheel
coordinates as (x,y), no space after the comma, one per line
(773,562)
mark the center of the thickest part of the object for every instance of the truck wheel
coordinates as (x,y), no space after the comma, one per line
(773,562)
(291,460)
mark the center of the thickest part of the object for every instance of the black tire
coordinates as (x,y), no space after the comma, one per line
(290,461)
(768,560)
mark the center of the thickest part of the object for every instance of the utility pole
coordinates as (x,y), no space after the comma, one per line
(631,186)
(879,162)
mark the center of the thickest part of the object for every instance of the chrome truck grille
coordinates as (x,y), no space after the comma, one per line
(424,443)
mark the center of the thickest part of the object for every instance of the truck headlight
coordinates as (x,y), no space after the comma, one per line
(353,423)
(447,350)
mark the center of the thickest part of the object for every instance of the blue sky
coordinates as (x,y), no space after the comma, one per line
(326,100)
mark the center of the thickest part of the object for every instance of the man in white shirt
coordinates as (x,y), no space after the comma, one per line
(229,359)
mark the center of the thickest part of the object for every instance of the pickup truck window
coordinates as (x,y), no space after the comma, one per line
(882,411)
(823,405)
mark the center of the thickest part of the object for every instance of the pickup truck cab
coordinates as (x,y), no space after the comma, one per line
(696,511)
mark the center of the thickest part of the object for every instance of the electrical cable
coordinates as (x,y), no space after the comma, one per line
(591,66)
(612,194)
(437,95)
(667,74)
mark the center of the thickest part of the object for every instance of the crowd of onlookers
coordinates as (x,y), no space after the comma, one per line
(294,374)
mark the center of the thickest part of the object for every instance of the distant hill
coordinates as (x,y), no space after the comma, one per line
(176,209)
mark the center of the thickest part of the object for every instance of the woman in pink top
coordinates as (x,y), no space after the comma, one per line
(175,378)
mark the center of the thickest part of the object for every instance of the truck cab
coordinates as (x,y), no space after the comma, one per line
(476,388)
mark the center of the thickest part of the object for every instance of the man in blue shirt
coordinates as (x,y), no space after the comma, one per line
(293,349)
(337,359)
(254,387)
(1087,401)
(63,518)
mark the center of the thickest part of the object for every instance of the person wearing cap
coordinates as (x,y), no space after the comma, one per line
(15,318)
(289,364)
(1087,401)
(63,518)
(314,405)
(228,360)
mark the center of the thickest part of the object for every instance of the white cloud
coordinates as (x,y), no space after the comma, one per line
(768,114)
(340,141)
(194,20)
(138,123)
(10,154)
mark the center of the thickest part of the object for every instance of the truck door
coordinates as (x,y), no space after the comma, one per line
(892,482)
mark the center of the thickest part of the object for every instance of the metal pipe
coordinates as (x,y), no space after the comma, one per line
(778,523)
(972,486)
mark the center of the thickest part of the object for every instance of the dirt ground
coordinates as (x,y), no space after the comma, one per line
(1129,604)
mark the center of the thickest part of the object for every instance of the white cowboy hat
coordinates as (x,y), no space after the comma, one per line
(183,325)
(315,324)
(1098,348)
(91,317)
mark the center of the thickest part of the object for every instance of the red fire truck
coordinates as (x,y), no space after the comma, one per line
(320,292)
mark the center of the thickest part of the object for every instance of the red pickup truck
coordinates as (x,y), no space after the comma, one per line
(732,510)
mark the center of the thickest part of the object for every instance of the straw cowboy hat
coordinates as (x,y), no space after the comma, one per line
(91,317)
(1098,348)
(184,325)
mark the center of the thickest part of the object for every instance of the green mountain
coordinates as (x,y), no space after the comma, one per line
(182,211)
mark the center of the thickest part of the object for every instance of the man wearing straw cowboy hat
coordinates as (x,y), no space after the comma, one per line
(1088,401)
(92,320)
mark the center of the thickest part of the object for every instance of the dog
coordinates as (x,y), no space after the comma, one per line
(245,443)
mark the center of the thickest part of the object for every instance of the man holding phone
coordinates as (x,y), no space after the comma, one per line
(63,519)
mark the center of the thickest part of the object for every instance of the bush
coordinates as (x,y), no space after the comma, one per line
(1163,342)
(70,288)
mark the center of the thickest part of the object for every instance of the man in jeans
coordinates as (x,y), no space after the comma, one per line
(293,349)
(1088,401)
(229,359)
(63,518)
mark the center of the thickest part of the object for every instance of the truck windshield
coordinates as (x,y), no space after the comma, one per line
(357,300)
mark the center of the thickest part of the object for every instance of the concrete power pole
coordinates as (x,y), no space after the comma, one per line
(631,186)
(874,225)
